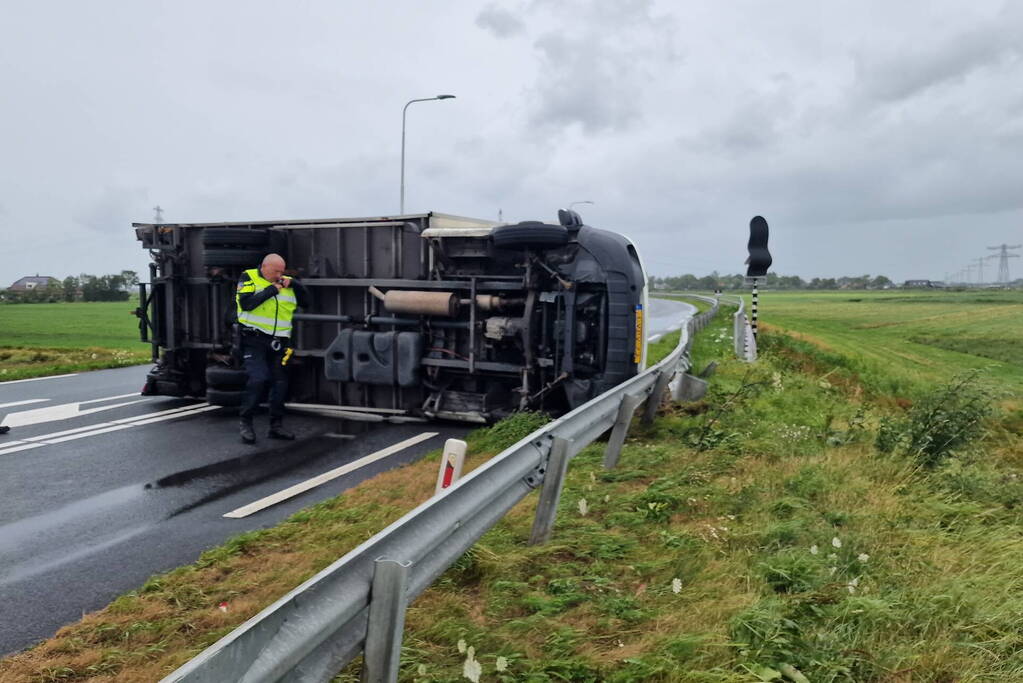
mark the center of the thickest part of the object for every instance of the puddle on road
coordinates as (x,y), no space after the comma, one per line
(46,541)
(216,480)
(15,535)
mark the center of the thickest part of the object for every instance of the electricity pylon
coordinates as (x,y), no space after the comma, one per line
(1003,260)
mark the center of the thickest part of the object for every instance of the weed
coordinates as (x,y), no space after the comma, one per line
(947,419)
(940,422)
(792,571)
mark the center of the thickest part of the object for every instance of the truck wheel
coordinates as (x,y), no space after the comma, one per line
(224,397)
(219,377)
(529,234)
(234,237)
(250,258)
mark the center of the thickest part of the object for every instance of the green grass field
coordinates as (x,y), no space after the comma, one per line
(906,339)
(49,339)
(829,513)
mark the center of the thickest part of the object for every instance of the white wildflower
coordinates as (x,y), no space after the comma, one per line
(461,645)
(501,664)
(851,586)
(832,570)
(836,542)
(583,507)
(676,586)
(471,668)
(607,498)
(813,549)
(863,557)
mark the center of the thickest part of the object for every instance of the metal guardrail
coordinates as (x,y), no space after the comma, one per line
(358,602)
(742,333)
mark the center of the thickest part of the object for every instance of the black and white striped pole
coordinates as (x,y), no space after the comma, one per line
(753,311)
(758,261)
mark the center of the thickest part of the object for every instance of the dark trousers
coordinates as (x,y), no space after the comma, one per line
(263,364)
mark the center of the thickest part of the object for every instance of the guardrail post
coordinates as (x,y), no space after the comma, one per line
(387,603)
(689,388)
(653,402)
(550,492)
(626,409)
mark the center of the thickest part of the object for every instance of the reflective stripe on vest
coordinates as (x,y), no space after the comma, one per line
(273,316)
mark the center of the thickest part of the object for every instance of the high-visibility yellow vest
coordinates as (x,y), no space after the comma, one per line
(273,316)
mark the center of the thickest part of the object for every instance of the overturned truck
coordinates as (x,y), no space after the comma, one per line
(425,315)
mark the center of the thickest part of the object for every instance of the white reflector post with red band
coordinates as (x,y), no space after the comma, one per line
(450,464)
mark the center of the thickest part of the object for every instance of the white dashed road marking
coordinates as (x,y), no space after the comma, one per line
(304,486)
(22,403)
(36,379)
(102,428)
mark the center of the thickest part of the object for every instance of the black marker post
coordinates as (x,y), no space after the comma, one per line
(758,262)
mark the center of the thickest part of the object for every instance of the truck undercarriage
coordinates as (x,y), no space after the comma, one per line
(426,315)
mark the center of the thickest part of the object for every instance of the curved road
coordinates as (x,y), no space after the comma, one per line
(100,487)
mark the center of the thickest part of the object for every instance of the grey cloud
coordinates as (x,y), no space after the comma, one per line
(499,21)
(114,208)
(596,67)
(897,74)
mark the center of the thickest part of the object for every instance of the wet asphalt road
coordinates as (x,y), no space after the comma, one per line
(100,488)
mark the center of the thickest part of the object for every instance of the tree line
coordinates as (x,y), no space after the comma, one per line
(773,281)
(84,287)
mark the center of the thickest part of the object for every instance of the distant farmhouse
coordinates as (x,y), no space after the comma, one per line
(923,284)
(30,282)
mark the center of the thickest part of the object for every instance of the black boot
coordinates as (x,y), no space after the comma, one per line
(246,432)
(277,431)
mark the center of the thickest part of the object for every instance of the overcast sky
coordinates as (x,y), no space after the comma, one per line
(875,137)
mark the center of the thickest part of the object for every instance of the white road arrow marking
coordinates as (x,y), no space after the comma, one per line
(64,411)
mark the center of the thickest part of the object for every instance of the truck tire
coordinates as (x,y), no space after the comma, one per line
(529,234)
(219,377)
(224,397)
(234,237)
(250,258)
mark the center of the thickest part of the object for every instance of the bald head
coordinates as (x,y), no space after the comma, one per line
(272,267)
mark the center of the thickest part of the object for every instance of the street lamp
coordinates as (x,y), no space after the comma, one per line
(584,201)
(405,109)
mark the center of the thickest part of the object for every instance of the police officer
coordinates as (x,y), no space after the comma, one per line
(267,299)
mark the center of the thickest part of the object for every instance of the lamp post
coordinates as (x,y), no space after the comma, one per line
(584,201)
(405,109)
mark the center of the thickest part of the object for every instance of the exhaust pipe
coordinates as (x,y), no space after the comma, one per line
(443,304)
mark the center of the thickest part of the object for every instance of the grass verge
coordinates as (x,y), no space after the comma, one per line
(759,534)
(51,339)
